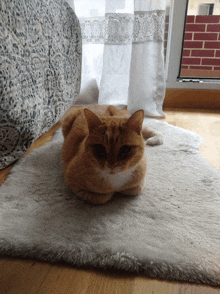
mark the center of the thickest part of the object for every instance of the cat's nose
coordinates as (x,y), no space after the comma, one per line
(109,170)
(112,172)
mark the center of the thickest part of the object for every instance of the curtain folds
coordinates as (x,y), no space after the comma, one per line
(123,53)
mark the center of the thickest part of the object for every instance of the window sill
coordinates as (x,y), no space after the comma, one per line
(188,98)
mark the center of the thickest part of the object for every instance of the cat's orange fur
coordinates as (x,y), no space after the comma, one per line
(92,172)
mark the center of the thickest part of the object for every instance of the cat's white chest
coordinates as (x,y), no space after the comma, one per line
(119,179)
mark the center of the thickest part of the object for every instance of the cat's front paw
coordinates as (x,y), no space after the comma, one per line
(132,191)
(100,199)
(94,198)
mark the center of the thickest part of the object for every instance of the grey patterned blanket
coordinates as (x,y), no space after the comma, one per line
(40,70)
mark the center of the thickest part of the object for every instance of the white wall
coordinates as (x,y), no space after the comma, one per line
(193,6)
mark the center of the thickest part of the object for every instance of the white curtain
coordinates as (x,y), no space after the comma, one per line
(123,53)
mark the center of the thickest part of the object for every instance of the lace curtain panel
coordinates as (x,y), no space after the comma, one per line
(123,52)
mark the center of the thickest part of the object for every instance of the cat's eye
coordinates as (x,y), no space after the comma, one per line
(124,151)
(99,151)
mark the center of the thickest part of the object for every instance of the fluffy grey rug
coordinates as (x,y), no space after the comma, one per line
(171,230)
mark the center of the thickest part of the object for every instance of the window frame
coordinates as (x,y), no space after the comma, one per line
(176,30)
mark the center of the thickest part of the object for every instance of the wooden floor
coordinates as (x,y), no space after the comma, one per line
(27,276)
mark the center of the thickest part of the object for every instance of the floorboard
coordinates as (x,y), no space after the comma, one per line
(31,277)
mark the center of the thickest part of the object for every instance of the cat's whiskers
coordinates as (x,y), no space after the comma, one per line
(112,171)
(82,170)
(116,177)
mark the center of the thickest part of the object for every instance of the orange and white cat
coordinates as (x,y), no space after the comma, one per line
(103,152)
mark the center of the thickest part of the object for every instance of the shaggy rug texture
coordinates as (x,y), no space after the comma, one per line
(170,231)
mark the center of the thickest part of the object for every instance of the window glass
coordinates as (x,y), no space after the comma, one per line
(201,49)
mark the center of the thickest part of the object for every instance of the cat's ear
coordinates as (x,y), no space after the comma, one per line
(68,119)
(135,121)
(93,120)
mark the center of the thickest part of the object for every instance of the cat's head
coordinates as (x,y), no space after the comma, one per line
(114,143)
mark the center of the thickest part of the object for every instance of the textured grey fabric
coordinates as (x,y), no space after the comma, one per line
(40,70)
(171,230)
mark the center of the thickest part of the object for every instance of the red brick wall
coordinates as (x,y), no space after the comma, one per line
(202,43)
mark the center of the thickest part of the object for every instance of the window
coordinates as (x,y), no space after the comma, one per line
(205,9)
(181,72)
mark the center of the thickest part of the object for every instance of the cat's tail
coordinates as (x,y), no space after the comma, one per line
(153,138)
